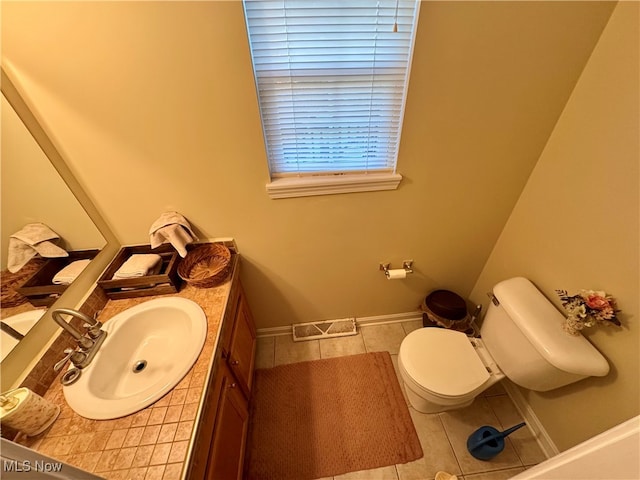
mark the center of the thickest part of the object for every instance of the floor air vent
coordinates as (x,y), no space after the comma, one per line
(326,329)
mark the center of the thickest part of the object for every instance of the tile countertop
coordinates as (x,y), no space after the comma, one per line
(154,443)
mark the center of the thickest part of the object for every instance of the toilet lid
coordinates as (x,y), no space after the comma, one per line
(442,361)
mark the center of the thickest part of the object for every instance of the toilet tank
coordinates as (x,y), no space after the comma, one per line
(525,337)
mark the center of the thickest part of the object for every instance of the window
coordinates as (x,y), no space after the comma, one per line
(331,77)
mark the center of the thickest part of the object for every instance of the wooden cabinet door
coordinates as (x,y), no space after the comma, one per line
(226,457)
(243,346)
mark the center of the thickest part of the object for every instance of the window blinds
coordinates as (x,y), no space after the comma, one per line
(331,78)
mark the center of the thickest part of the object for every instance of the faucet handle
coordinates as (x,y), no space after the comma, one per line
(74,355)
(94,321)
(93,330)
(92,327)
(60,364)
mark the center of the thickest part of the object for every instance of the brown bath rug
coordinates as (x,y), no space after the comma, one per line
(328,417)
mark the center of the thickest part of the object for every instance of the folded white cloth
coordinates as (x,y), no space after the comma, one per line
(33,239)
(173,228)
(33,233)
(69,273)
(154,271)
(138,265)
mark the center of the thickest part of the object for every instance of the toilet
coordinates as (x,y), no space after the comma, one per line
(521,339)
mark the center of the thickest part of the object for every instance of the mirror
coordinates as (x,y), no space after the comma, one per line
(33,191)
(38,186)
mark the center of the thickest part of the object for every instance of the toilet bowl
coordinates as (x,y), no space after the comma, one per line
(444,369)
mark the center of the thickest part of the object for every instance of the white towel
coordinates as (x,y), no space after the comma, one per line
(68,274)
(33,239)
(173,228)
(138,266)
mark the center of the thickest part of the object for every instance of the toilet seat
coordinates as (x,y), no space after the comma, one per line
(442,362)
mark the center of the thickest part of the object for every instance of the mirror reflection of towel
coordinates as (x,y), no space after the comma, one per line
(68,274)
(173,228)
(33,239)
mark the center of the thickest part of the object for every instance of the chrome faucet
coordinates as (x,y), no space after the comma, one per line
(88,344)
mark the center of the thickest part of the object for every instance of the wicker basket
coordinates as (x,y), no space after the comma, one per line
(206,265)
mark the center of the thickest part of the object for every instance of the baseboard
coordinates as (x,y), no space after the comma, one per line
(390,318)
(360,321)
(533,422)
(274,331)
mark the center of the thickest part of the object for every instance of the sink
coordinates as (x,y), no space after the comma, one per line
(149,348)
(21,323)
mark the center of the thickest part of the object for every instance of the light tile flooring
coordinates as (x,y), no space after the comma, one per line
(443,435)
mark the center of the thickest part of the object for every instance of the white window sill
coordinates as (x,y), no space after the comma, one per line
(332,184)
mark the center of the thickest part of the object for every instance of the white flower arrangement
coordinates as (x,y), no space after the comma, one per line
(587,309)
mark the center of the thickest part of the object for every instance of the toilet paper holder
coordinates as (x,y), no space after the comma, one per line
(407,266)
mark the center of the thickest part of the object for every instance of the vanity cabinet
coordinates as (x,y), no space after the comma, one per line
(222,431)
(226,456)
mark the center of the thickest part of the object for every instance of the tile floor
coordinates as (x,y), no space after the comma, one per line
(443,435)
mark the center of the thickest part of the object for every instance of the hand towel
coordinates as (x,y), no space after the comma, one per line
(154,271)
(138,266)
(68,274)
(176,235)
(33,233)
(33,239)
(173,228)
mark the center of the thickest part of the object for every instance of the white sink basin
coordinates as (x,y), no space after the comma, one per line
(149,348)
(21,323)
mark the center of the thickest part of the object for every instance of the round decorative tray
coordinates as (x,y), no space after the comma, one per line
(206,265)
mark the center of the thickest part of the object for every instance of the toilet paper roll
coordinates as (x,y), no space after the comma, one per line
(397,274)
(32,415)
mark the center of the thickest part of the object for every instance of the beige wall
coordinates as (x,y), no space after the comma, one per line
(576,226)
(154,104)
(32,191)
